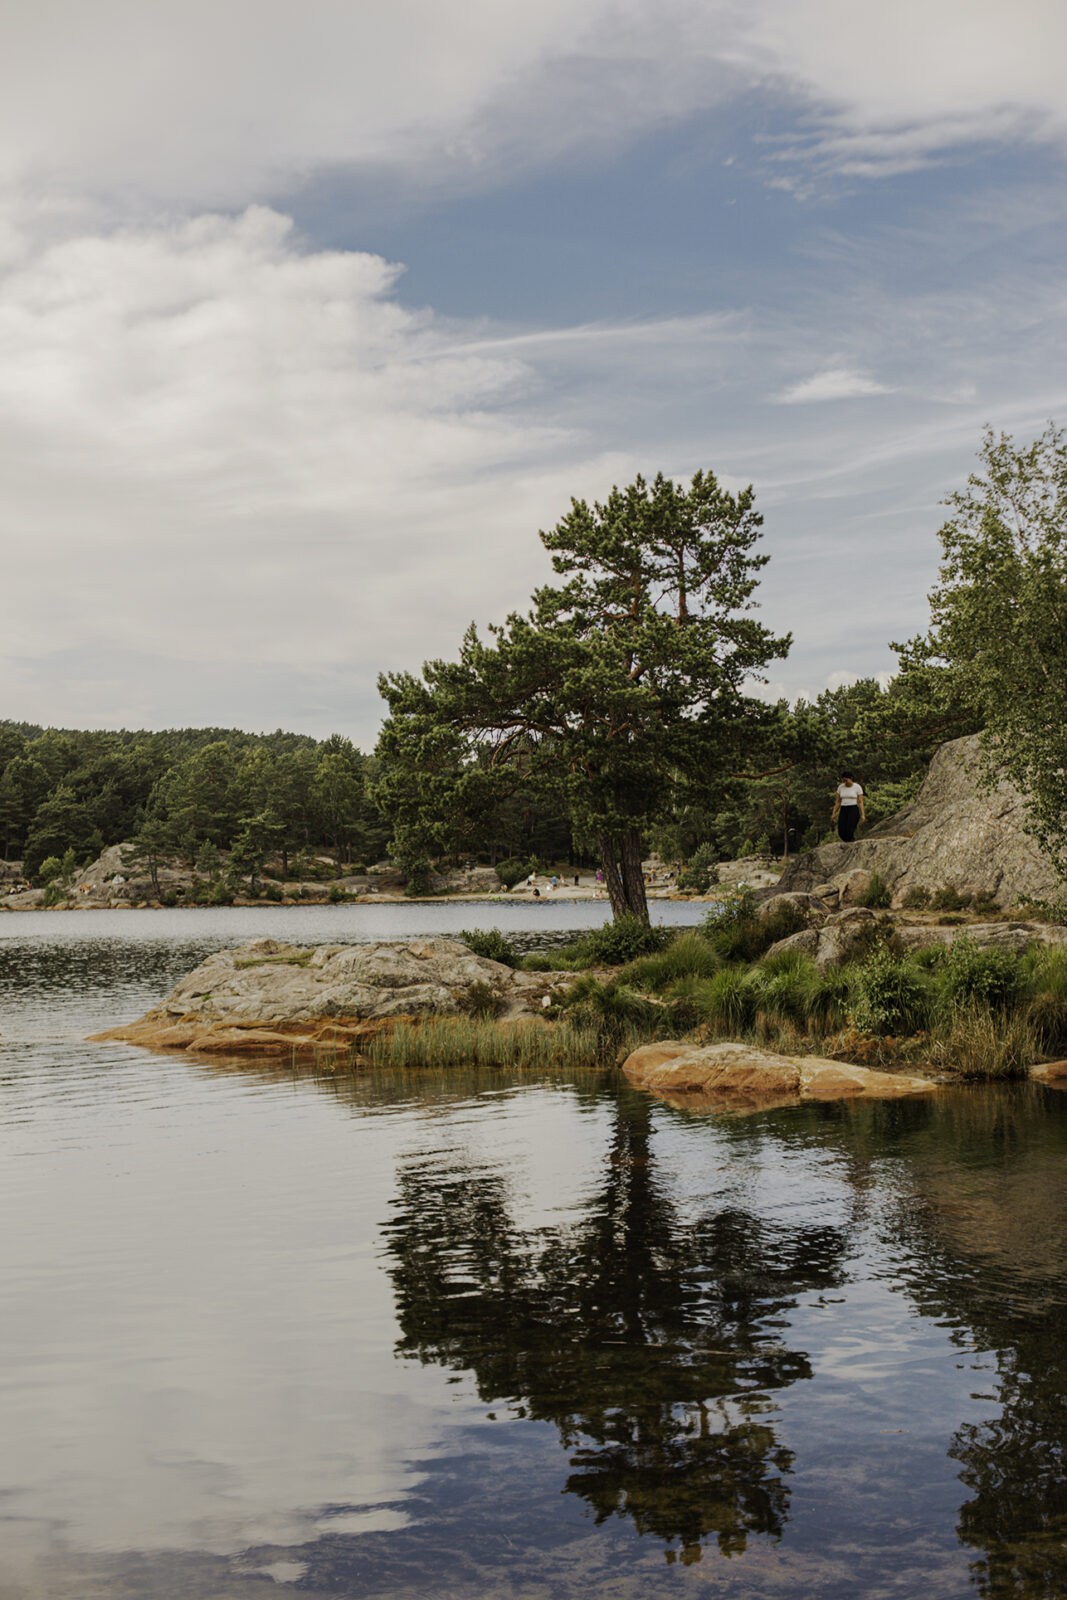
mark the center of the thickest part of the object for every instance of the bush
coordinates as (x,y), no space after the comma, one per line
(54,894)
(876,896)
(736,933)
(512,871)
(273,891)
(916,899)
(701,871)
(491,945)
(169,897)
(417,876)
(50,869)
(970,973)
(482,1000)
(687,956)
(888,996)
(221,894)
(336,895)
(622,940)
(948,898)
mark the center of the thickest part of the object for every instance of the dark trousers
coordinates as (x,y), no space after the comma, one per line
(847,819)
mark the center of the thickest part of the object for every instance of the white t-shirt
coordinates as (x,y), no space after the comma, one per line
(849,793)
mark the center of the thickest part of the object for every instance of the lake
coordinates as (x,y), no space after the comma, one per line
(475,1336)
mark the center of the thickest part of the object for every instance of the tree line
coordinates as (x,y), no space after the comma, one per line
(617,713)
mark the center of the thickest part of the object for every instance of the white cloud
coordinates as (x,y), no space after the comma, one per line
(833,383)
(201,104)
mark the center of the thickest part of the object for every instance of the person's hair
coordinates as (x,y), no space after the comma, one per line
(846,777)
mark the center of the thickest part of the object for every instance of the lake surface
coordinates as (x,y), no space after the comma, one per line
(477,1336)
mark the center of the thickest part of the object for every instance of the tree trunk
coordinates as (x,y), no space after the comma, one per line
(623,876)
(285,861)
(610,863)
(632,877)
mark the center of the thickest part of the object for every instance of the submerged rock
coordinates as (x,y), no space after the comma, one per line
(269,998)
(741,1077)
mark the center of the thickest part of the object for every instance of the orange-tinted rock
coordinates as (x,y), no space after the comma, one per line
(733,1075)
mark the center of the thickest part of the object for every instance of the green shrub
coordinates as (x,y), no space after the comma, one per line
(221,894)
(482,1000)
(687,956)
(876,896)
(54,894)
(620,941)
(729,1000)
(335,894)
(491,945)
(538,961)
(916,899)
(198,893)
(888,995)
(948,898)
(970,973)
(417,875)
(273,891)
(613,1008)
(169,897)
(50,869)
(512,871)
(701,871)
(737,933)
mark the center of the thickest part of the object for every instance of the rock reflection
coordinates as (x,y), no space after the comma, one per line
(646,1339)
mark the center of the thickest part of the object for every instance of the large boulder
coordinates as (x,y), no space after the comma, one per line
(266,994)
(741,1077)
(952,833)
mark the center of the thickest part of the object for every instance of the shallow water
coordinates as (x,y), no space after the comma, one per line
(479,1336)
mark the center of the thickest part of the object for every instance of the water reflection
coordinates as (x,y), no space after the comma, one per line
(982,1197)
(647,1340)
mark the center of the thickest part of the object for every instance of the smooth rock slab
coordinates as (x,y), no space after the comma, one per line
(741,1077)
(271,998)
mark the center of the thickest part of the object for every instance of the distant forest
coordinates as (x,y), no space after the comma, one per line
(285,797)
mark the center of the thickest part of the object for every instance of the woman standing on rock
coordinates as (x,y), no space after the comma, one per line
(848,807)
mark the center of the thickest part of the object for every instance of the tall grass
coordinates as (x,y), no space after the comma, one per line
(474,1042)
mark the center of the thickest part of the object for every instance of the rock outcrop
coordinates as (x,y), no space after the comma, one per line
(849,935)
(951,834)
(740,1077)
(272,998)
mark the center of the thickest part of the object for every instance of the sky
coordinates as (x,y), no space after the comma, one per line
(313,314)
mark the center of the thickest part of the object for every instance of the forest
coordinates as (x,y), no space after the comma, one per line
(617,716)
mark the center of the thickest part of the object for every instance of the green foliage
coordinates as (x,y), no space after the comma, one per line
(738,933)
(51,867)
(970,973)
(336,895)
(491,945)
(169,897)
(687,956)
(619,696)
(55,894)
(628,937)
(888,995)
(702,870)
(482,1000)
(273,892)
(916,899)
(999,619)
(417,871)
(876,896)
(207,859)
(948,898)
(512,871)
(221,894)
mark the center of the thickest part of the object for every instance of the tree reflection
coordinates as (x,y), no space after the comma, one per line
(646,1339)
(982,1235)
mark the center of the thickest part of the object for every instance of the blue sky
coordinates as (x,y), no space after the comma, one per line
(312,315)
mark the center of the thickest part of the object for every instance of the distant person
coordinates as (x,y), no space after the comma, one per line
(848,807)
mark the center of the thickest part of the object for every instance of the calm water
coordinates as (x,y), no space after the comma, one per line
(481,1337)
